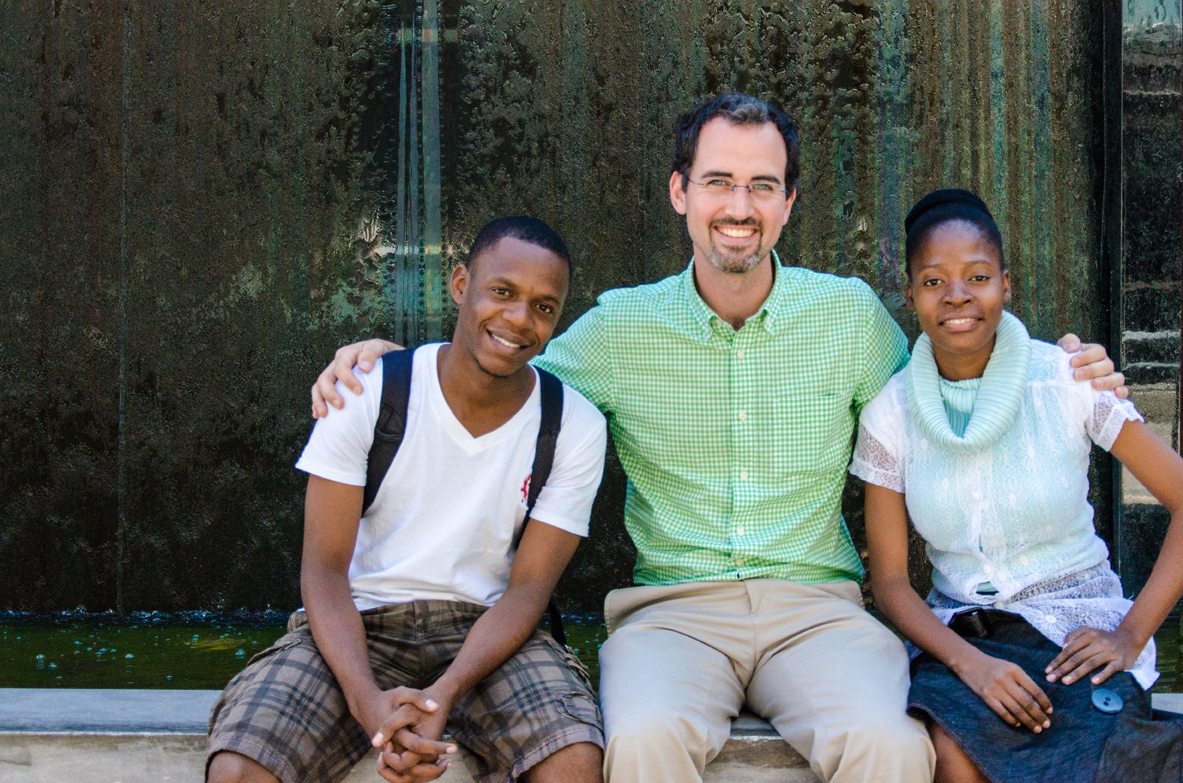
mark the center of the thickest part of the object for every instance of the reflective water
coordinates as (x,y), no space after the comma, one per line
(104,652)
(207,650)
(190,651)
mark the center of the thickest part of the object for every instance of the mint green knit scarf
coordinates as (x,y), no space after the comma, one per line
(1003,384)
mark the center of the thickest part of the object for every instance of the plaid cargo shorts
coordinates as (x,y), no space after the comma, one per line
(286,711)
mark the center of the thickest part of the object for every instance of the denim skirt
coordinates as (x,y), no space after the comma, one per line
(1083,743)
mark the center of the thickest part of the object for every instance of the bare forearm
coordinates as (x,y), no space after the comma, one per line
(915,620)
(541,557)
(1162,590)
(340,636)
(1160,469)
(887,537)
(495,637)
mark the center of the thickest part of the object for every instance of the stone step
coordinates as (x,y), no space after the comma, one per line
(142,736)
(135,736)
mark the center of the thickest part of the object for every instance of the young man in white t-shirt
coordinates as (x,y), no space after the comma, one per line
(421,613)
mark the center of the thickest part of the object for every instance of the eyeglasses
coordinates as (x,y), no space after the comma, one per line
(719,188)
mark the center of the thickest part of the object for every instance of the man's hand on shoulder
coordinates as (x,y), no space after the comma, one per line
(361,355)
(400,722)
(1092,363)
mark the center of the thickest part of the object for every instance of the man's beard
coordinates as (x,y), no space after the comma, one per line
(732,264)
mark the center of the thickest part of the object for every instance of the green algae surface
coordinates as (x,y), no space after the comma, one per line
(109,656)
(205,655)
(114,654)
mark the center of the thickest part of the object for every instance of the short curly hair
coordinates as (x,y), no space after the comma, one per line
(523,227)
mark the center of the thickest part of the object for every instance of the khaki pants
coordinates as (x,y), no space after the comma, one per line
(680,662)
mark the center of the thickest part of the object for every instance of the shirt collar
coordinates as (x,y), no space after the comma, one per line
(769,316)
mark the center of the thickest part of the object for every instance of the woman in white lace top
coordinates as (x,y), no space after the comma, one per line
(984,440)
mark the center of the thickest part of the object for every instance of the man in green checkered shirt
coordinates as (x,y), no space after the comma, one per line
(731,392)
(741,474)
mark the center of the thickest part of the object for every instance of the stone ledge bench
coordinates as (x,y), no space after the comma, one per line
(136,736)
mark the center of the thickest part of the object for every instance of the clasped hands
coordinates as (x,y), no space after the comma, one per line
(1015,697)
(407,724)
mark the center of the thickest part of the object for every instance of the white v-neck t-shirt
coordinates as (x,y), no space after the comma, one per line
(444,520)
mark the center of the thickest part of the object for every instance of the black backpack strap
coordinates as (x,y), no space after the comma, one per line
(548,435)
(544,459)
(392,420)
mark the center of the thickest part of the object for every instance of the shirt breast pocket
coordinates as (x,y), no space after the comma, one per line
(811,434)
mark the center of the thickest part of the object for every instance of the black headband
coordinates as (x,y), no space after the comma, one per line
(940,198)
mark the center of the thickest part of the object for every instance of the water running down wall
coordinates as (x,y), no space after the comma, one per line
(201,202)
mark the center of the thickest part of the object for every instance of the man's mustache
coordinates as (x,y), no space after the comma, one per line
(745,223)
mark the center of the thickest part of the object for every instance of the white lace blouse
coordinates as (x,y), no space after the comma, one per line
(1015,514)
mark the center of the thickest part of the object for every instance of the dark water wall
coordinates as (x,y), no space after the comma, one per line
(1148,292)
(200,201)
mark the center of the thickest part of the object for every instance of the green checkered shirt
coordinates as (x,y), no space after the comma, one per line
(735,443)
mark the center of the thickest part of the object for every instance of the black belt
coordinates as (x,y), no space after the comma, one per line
(980,623)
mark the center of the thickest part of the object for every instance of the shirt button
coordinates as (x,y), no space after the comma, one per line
(743,475)
(977,496)
(739,354)
(743,416)
(739,531)
(739,561)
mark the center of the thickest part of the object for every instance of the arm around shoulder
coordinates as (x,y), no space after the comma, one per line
(338,448)
(361,356)
(1092,362)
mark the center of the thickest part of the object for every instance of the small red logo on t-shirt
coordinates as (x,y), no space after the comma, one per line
(526,489)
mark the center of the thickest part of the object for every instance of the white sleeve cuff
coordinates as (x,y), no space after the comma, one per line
(332,473)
